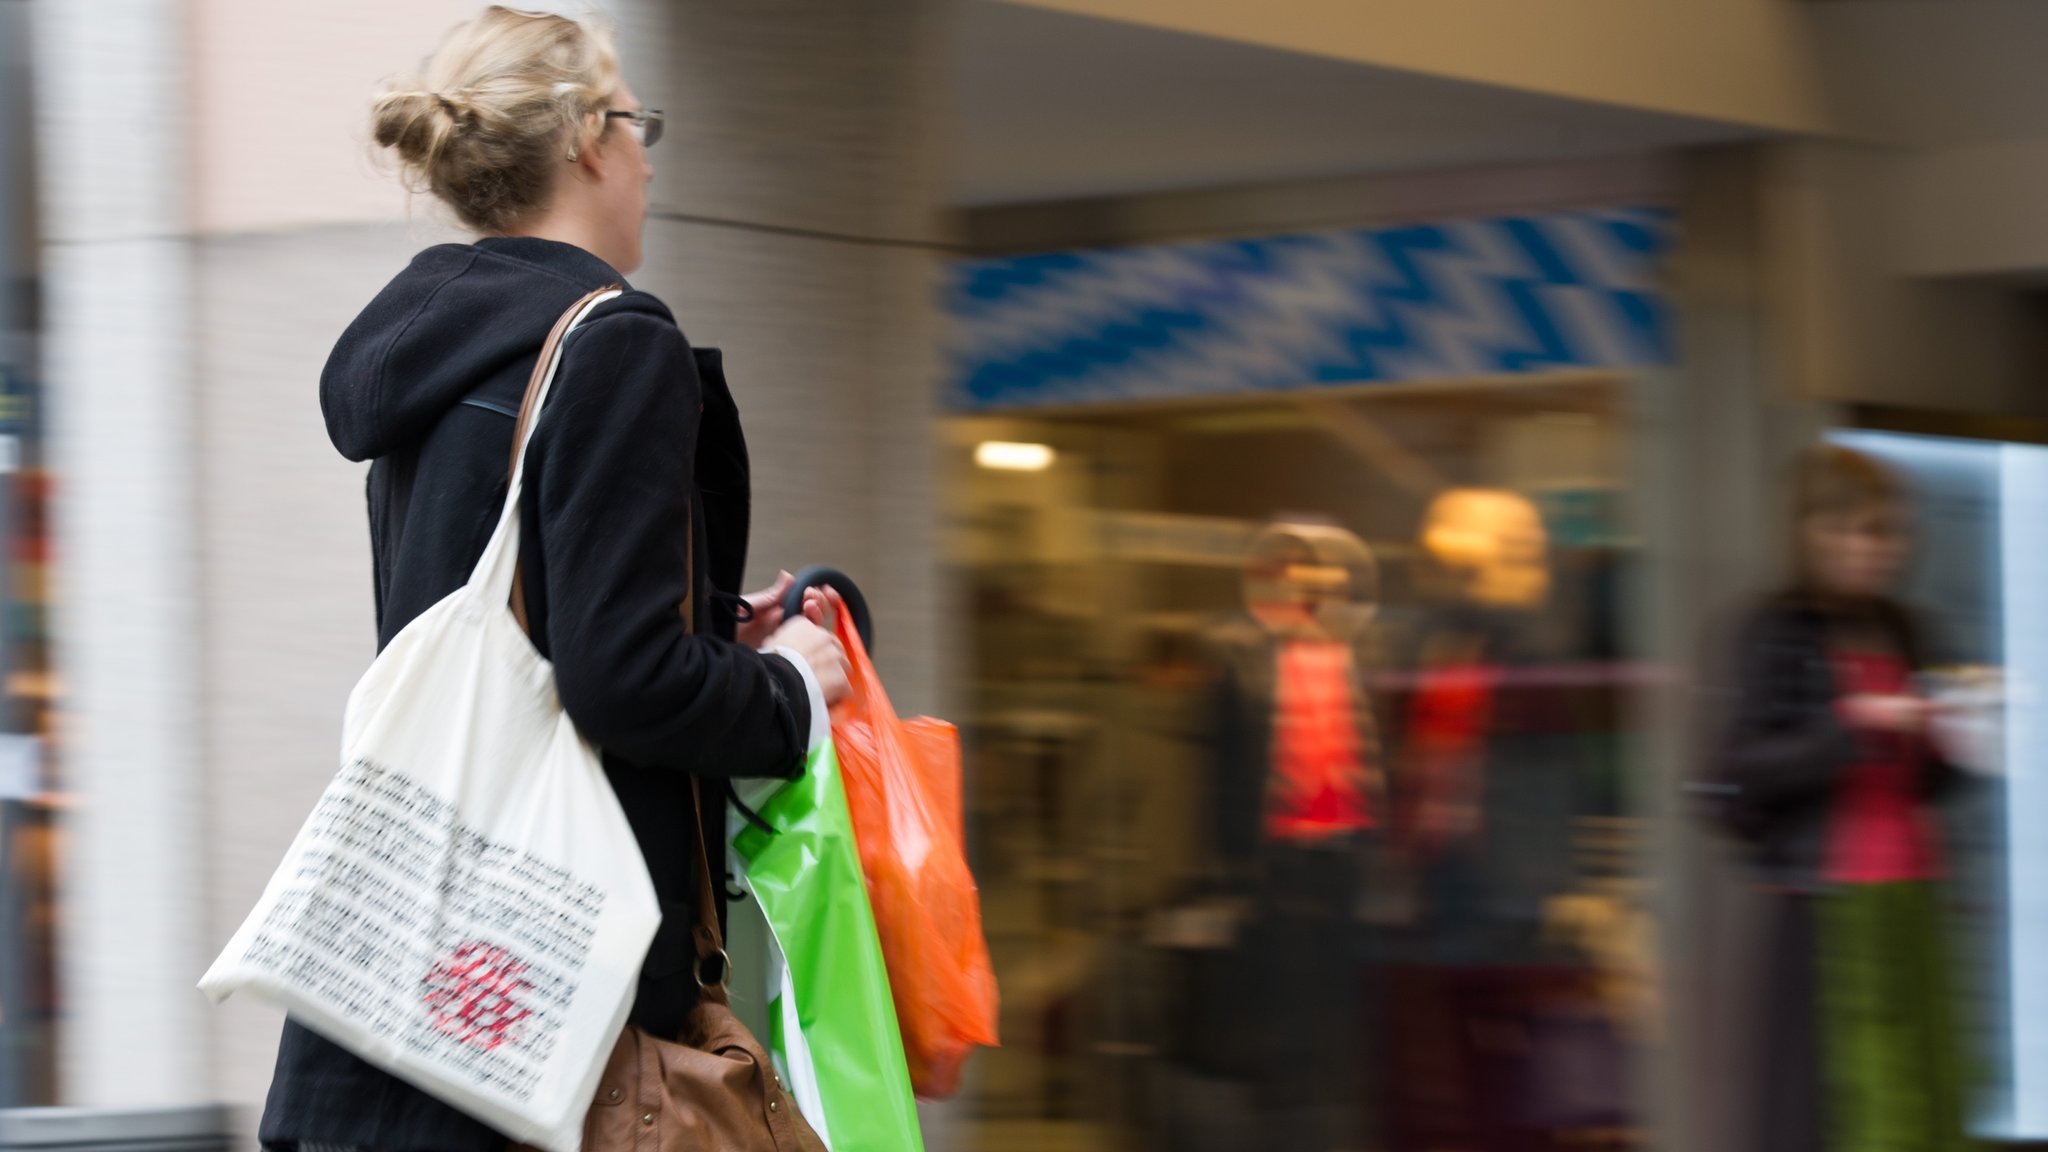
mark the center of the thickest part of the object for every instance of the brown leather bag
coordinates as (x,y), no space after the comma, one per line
(713,1089)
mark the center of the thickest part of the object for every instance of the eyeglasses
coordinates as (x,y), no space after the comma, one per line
(646,124)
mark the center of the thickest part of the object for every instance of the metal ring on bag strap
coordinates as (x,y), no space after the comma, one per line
(706,938)
(724,970)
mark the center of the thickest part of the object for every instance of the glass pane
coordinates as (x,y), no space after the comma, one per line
(1303,770)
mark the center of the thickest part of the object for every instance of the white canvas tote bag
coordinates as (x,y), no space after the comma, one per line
(466,908)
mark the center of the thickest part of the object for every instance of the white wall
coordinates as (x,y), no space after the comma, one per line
(287,613)
(280,98)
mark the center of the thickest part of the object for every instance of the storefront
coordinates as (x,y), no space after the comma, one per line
(1371,488)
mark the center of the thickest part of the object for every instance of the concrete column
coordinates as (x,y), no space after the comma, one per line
(110,127)
(796,225)
(1723,423)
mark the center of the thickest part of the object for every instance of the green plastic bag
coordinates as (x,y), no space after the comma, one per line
(833,1024)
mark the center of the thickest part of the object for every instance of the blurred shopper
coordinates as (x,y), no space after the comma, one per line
(636,498)
(1824,767)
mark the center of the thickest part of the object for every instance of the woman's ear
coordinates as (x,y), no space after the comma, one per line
(584,142)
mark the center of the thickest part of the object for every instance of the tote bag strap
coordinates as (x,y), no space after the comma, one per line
(537,386)
(497,571)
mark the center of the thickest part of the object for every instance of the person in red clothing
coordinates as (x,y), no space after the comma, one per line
(1825,767)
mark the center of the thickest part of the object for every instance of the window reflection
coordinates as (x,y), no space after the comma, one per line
(1302,773)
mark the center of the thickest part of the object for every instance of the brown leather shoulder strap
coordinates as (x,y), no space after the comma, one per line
(709,941)
(525,421)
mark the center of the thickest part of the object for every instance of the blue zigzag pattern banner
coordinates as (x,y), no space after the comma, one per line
(1425,302)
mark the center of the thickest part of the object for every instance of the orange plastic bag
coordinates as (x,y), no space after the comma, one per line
(902,782)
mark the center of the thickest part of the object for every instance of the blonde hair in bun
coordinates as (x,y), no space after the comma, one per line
(487,122)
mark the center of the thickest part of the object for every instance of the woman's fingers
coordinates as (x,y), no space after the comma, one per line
(822,607)
(765,608)
(822,651)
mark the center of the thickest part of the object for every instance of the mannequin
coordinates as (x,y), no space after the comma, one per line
(1298,799)
(1489,554)
(1308,587)
(1485,573)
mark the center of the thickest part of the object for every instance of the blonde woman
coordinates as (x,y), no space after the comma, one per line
(636,495)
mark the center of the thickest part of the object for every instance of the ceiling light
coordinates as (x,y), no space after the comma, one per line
(1005,456)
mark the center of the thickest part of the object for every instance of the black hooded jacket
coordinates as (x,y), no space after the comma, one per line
(638,446)
(1780,748)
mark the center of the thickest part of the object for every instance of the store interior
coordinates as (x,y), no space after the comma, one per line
(1485,961)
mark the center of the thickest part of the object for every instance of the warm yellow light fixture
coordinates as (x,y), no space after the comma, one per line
(1007,456)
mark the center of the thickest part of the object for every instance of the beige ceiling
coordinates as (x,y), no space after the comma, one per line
(1936,73)
(1055,106)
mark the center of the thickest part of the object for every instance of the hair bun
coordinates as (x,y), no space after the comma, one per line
(460,105)
(416,124)
(486,122)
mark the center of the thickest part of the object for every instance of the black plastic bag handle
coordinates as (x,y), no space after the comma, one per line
(840,582)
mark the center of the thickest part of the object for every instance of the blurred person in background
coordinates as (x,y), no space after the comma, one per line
(1824,766)
(636,499)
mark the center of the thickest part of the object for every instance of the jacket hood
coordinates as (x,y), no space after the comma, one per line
(457,316)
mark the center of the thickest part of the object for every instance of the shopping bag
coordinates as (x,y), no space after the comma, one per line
(832,1023)
(466,907)
(903,791)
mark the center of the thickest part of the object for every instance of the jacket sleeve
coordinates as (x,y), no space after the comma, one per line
(615,454)
(1779,747)
(1940,777)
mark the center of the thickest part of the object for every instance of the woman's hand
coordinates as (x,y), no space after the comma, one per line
(1876,713)
(767,612)
(759,631)
(810,635)
(822,607)
(821,650)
